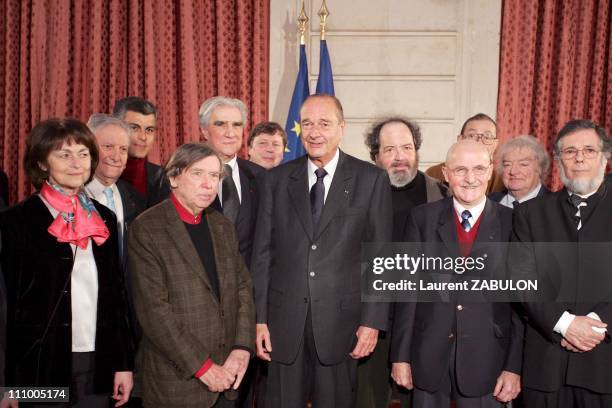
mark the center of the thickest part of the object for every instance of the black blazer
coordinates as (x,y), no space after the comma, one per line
(297,267)
(158,188)
(37,271)
(133,204)
(580,273)
(245,222)
(489,336)
(497,196)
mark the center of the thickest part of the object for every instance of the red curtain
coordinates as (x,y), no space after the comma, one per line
(554,66)
(75,58)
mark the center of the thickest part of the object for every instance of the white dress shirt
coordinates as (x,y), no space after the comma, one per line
(508,199)
(476,211)
(95,189)
(83,295)
(330,168)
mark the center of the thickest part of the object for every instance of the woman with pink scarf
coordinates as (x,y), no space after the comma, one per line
(67,323)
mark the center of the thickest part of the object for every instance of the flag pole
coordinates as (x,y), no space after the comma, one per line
(323,14)
(302,22)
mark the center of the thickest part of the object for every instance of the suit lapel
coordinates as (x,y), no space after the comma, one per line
(216,230)
(490,228)
(339,190)
(300,198)
(183,243)
(446,228)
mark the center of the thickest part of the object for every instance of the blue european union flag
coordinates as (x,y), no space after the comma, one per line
(300,93)
(325,84)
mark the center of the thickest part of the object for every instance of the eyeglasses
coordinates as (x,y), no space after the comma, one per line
(463,171)
(485,138)
(572,152)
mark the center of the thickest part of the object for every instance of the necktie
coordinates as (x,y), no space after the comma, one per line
(465,220)
(577,202)
(110,200)
(231,203)
(317,196)
(515,204)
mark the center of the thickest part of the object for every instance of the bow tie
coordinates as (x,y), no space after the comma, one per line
(576,200)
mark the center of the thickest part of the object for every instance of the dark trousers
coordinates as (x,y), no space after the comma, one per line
(374,375)
(566,397)
(449,392)
(308,380)
(82,390)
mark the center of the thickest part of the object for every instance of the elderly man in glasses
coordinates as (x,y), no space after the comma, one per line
(567,347)
(433,345)
(483,129)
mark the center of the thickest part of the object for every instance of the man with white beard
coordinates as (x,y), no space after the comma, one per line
(567,352)
(394,144)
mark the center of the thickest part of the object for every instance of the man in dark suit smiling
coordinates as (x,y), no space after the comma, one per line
(314,214)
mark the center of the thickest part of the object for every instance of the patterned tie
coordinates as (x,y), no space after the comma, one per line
(465,223)
(231,203)
(110,200)
(577,202)
(515,204)
(317,196)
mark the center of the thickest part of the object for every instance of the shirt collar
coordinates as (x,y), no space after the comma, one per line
(509,198)
(476,211)
(233,163)
(184,214)
(330,167)
(96,188)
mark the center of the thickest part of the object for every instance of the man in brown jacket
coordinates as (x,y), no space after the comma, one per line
(192,292)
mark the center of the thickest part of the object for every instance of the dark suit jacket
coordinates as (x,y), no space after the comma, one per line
(497,196)
(245,223)
(133,204)
(580,271)
(489,335)
(37,271)
(183,322)
(158,188)
(296,267)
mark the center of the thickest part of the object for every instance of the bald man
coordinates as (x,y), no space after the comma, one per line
(437,357)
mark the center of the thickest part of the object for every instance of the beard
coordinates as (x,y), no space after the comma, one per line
(402,178)
(582,186)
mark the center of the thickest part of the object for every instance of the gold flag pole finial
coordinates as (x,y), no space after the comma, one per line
(323,14)
(302,23)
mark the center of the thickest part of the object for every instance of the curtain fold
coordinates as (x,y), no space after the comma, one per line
(554,66)
(75,58)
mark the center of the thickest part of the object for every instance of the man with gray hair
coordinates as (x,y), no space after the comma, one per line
(523,164)
(113,140)
(567,349)
(222,121)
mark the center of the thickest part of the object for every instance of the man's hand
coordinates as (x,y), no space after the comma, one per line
(122,387)
(507,387)
(237,363)
(402,375)
(568,346)
(581,335)
(366,342)
(262,340)
(7,402)
(217,378)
